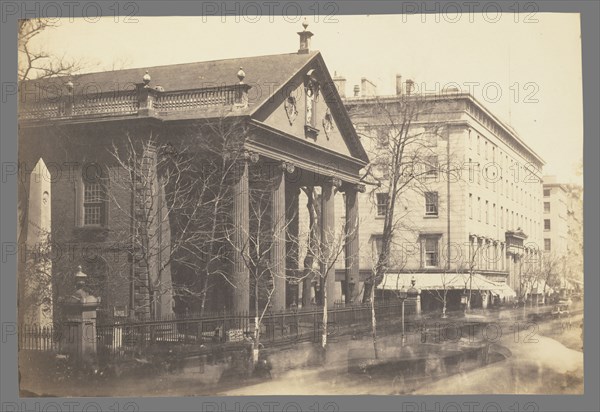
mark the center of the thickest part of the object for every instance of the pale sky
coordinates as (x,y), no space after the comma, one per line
(535,66)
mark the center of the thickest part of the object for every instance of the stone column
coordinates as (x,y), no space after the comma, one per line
(292,193)
(307,289)
(278,248)
(352,243)
(241,228)
(328,236)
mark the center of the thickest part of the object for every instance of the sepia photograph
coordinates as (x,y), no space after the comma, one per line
(372,204)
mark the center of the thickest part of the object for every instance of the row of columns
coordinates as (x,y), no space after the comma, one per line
(491,254)
(284,219)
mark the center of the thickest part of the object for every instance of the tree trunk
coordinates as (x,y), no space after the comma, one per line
(324,335)
(374,322)
(256,344)
(444,305)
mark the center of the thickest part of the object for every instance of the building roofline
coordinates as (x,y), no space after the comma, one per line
(451,96)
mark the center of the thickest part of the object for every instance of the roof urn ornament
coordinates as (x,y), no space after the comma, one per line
(146,79)
(241,74)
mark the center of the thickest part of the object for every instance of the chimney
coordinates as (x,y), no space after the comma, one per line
(409,87)
(356,90)
(398,85)
(340,85)
(368,87)
(304,39)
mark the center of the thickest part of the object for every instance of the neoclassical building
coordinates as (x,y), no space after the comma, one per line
(288,130)
(473,219)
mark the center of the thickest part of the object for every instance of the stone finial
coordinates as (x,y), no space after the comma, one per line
(79,275)
(304,39)
(146,78)
(69,86)
(241,75)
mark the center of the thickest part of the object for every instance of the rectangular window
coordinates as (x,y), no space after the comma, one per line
(431,251)
(383,138)
(546,207)
(470,206)
(431,203)
(547,245)
(471,171)
(382,200)
(431,166)
(546,192)
(546,224)
(377,245)
(93,204)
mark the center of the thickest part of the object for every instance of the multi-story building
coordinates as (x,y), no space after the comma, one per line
(472,220)
(556,216)
(563,229)
(268,125)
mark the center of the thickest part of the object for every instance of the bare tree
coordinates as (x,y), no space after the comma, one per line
(36,63)
(549,272)
(180,199)
(405,157)
(448,279)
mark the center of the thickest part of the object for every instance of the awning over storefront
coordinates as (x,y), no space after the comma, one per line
(504,291)
(441,281)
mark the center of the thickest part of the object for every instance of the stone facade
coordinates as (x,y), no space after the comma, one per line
(486,185)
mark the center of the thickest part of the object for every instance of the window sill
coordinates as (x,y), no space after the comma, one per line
(431,216)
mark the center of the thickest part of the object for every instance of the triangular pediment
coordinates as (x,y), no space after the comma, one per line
(324,123)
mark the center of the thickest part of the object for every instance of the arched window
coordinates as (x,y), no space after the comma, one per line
(93,196)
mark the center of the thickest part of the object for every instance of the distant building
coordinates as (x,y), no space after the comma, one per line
(563,228)
(474,219)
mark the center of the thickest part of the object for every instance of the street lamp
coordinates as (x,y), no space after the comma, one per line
(403,294)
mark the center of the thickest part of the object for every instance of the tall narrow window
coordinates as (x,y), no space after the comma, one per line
(546,207)
(382,200)
(431,251)
(431,166)
(546,224)
(547,245)
(94,200)
(431,203)
(487,212)
(471,205)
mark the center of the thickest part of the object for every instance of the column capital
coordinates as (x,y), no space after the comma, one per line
(334,181)
(354,187)
(250,156)
(287,167)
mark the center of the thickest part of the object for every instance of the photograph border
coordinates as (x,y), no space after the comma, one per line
(9,398)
